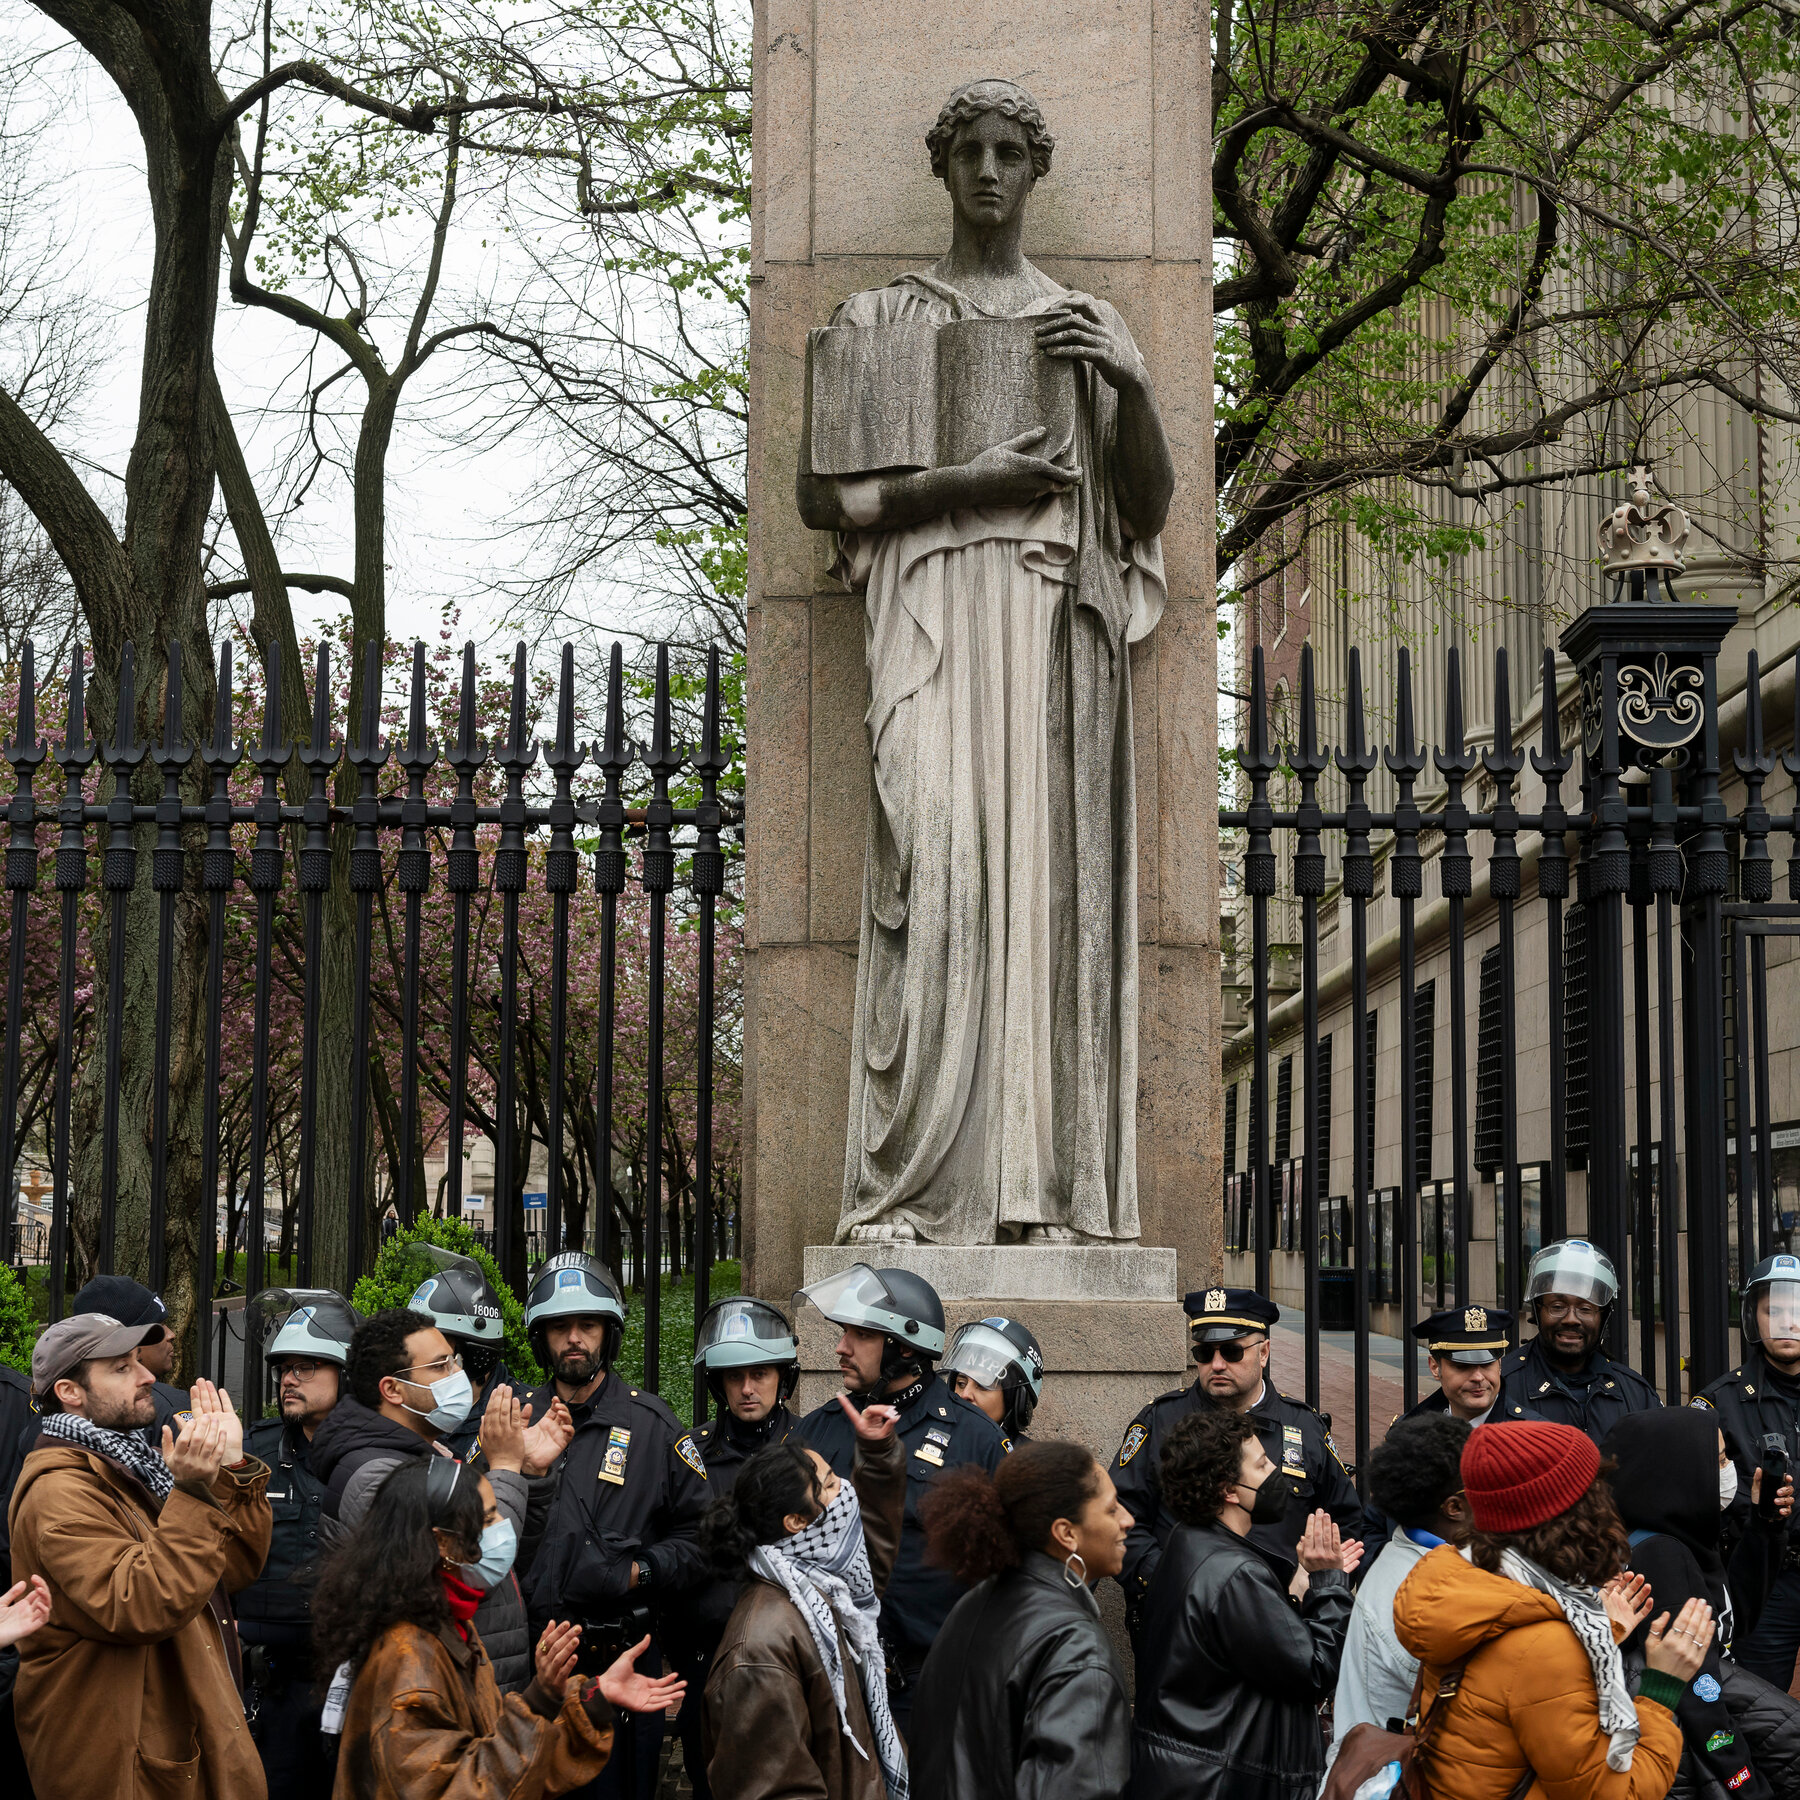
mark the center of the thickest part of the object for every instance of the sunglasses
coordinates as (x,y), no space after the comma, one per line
(1233,1351)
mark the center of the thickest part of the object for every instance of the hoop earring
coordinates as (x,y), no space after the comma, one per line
(1074,1570)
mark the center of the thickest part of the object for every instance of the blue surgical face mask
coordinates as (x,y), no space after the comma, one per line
(499,1545)
(455,1399)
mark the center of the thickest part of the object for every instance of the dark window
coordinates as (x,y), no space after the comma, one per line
(1488,1148)
(1370,1039)
(1283,1147)
(1575,1037)
(1322,1149)
(1424,1061)
(1231,1106)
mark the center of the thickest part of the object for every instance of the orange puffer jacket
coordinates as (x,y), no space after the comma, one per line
(1527,1698)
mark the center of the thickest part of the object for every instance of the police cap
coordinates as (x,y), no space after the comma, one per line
(1220,1314)
(1468,1335)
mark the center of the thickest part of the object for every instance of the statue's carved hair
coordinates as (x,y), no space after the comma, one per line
(991,94)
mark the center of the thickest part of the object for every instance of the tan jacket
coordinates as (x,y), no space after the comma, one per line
(427,1721)
(128,1692)
(1527,1697)
(771,1726)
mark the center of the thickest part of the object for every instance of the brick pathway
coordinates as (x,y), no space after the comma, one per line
(1337,1377)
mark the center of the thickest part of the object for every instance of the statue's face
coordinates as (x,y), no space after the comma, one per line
(988,169)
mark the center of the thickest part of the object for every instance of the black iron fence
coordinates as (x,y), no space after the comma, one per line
(1650,907)
(231,849)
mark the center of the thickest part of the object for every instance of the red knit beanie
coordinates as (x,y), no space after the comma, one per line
(1522,1474)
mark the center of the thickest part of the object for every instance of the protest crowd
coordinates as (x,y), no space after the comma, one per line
(421,1581)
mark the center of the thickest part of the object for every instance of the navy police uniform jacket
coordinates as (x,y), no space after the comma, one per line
(630,1488)
(940,1432)
(1296,1441)
(1381,1527)
(1595,1403)
(275,1610)
(1751,1402)
(727,1443)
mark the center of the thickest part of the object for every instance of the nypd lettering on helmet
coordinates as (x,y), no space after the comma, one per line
(568,1278)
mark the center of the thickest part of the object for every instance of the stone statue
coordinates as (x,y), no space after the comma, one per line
(993,1084)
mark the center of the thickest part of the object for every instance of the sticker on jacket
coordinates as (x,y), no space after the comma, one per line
(1738,1780)
(612,1464)
(684,1448)
(1134,1442)
(1706,1687)
(1720,1739)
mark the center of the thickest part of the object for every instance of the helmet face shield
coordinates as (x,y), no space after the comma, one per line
(455,1294)
(741,1333)
(572,1285)
(312,1322)
(986,1356)
(860,1297)
(1778,1310)
(1576,1270)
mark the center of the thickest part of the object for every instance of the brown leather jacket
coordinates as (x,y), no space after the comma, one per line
(427,1721)
(128,1692)
(771,1723)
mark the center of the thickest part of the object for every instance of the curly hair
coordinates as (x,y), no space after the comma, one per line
(1203,1457)
(1417,1467)
(992,93)
(977,1525)
(385,1573)
(378,1350)
(1588,1543)
(775,1482)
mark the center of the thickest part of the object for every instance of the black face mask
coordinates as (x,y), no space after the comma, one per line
(1272,1498)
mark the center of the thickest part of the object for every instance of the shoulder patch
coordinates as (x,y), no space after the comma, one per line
(1134,1442)
(684,1448)
(1701,1400)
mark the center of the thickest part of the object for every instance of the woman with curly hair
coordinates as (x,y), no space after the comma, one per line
(414,1694)
(1520,1637)
(1231,1672)
(1022,1689)
(796,1700)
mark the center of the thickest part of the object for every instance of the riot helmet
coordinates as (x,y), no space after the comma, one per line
(1575,1269)
(574,1285)
(1779,1278)
(902,1306)
(742,1333)
(455,1294)
(312,1322)
(1001,1353)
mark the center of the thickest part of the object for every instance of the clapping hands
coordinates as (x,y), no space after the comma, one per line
(23,1608)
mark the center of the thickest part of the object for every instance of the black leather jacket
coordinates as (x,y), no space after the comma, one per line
(1022,1697)
(1230,1674)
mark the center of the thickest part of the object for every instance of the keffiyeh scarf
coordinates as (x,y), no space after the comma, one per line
(824,1570)
(124,1448)
(1587,1619)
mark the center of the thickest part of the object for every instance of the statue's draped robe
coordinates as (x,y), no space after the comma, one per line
(993,1078)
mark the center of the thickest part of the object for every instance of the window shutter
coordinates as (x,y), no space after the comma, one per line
(1424,1065)
(1487,1068)
(1322,1149)
(1283,1147)
(1231,1109)
(1370,1039)
(1575,1037)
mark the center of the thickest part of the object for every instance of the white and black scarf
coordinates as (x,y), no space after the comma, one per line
(1582,1607)
(124,1449)
(824,1570)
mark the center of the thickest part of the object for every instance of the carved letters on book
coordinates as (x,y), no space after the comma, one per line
(919,395)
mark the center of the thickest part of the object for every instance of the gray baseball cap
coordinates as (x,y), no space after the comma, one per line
(68,1343)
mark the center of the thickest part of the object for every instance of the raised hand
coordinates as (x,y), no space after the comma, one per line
(1079,329)
(502,1434)
(555,1656)
(208,1401)
(547,1439)
(874,1424)
(1350,1555)
(23,1608)
(1680,1649)
(626,1689)
(1784,1495)
(198,1454)
(1627,1599)
(1321,1547)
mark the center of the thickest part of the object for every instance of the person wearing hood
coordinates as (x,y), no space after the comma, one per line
(796,1700)
(407,1390)
(1672,1485)
(1520,1633)
(1232,1665)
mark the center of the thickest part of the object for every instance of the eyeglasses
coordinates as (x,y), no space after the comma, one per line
(1553,1306)
(445,1365)
(1233,1351)
(302,1368)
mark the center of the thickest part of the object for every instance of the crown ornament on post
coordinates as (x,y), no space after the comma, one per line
(1641,542)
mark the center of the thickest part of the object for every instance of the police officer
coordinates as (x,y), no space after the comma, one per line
(1759,1401)
(306,1337)
(999,1369)
(620,1547)
(1463,1347)
(1230,1337)
(455,1294)
(893,1332)
(1569,1291)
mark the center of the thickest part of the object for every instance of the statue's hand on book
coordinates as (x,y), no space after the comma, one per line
(1079,330)
(1010,475)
